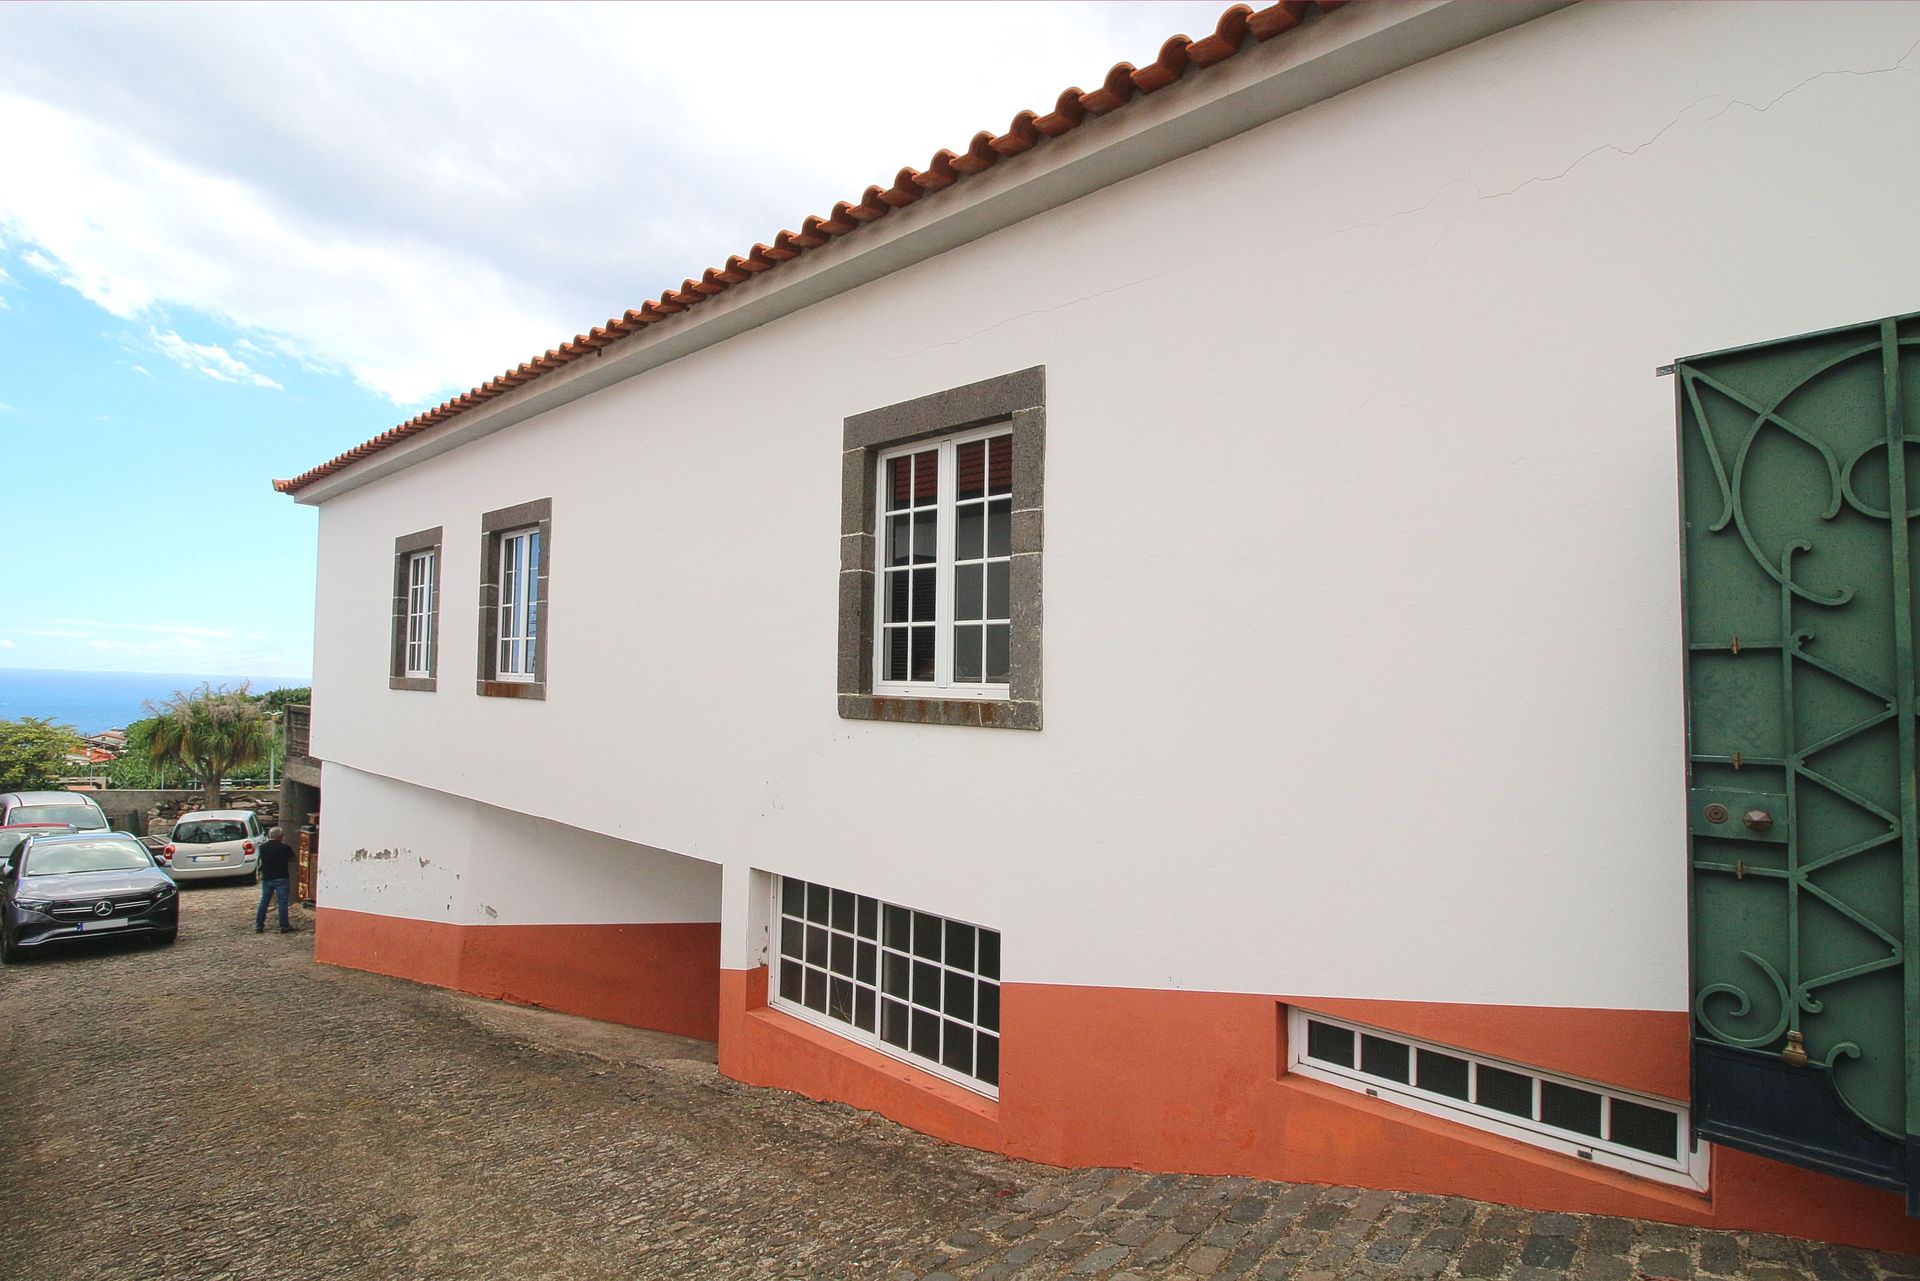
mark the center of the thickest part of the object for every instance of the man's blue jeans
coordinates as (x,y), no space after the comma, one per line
(268,889)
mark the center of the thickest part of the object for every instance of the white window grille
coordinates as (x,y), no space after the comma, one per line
(1603,1124)
(422,588)
(918,987)
(946,559)
(519,628)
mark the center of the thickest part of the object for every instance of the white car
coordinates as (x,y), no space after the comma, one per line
(210,843)
(75,809)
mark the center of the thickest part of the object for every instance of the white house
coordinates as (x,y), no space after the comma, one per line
(1161,638)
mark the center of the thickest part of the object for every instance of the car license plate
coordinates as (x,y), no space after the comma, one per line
(89,926)
(209,858)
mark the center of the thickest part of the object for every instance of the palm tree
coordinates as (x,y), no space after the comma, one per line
(210,732)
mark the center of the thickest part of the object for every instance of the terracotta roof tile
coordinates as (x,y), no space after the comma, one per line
(1178,57)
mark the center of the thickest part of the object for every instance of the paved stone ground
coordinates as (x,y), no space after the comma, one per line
(224,1108)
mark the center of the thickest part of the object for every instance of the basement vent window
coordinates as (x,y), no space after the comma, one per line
(919,987)
(1602,1124)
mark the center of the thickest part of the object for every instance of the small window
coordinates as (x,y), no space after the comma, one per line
(421,584)
(1597,1123)
(416,611)
(516,546)
(919,987)
(519,625)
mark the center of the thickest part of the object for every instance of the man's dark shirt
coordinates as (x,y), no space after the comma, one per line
(275,858)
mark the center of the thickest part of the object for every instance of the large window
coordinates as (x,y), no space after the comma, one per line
(422,584)
(516,546)
(911,984)
(940,552)
(415,658)
(519,624)
(1597,1123)
(946,540)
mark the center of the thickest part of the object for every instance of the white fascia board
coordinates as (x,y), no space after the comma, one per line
(1318,60)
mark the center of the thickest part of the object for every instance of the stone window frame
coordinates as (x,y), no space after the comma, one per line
(1017,399)
(537,514)
(405,548)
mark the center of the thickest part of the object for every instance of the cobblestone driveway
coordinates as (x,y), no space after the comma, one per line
(227,1109)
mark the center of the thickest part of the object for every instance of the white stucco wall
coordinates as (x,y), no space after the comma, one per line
(1362,630)
(399,850)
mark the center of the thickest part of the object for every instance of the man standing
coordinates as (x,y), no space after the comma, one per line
(276,869)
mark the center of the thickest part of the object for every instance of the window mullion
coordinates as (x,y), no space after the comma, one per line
(943,561)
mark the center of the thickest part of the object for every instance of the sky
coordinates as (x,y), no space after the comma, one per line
(236,240)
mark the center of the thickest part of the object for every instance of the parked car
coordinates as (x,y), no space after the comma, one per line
(64,886)
(75,809)
(209,843)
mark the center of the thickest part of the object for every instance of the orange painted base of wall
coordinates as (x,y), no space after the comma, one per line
(664,977)
(1195,1082)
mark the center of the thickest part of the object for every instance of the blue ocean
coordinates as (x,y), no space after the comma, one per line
(93,701)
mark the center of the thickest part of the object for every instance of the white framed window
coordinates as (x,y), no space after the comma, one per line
(1620,1129)
(918,987)
(422,591)
(519,622)
(945,539)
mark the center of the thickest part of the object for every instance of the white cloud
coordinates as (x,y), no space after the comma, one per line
(7,644)
(421,235)
(141,369)
(206,358)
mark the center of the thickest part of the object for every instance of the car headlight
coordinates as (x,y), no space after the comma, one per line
(33,904)
(164,893)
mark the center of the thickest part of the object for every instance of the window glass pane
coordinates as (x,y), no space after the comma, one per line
(899,927)
(818,899)
(926,935)
(893,1023)
(926,985)
(959,945)
(1000,527)
(926,1035)
(899,549)
(971,469)
(987,1063)
(989,954)
(967,596)
(998,574)
(793,896)
(921,668)
(843,910)
(925,525)
(791,934)
(899,482)
(926,477)
(896,975)
(1385,1059)
(898,585)
(1329,1044)
(956,1050)
(842,962)
(840,1000)
(815,998)
(959,998)
(790,980)
(864,963)
(869,925)
(863,1009)
(988,1016)
(1443,1074)
(999,645)
(897,666)
(966,654)
(923,589)
(969,531)
(1000,471)
(816,946)
(1504,1091)
(1570,1109)
(1654,1130)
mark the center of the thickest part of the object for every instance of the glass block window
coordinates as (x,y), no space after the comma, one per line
(946,562)
(919,987)
(421,589)
(519,627)
(1598,1123)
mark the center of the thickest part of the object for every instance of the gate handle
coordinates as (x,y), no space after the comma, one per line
(1757,820)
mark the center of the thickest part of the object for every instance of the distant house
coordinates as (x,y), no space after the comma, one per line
(1160,639)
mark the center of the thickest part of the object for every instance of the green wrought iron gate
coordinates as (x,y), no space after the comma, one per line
(1800,495)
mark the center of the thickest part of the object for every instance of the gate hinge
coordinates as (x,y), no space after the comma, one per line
(1663,371)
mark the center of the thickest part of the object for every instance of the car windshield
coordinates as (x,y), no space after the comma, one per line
(86,856)
(205,831)
(81,816)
